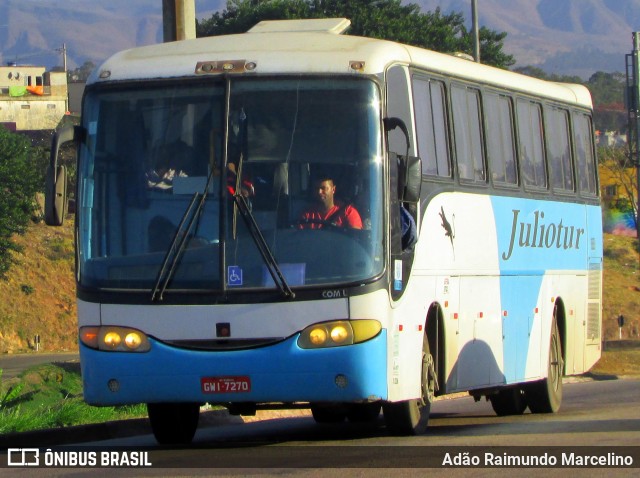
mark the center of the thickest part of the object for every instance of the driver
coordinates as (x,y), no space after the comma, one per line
(329,211)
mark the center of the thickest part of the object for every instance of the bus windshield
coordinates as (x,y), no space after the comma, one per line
(303,154)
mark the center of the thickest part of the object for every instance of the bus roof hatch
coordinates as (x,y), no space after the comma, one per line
(319,25)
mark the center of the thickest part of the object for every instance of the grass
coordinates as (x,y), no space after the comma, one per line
(619,363)
(50,396)
(621,289)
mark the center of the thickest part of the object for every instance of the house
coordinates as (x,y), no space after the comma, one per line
(32,98)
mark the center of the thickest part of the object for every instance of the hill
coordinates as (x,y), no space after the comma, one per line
(566,37)
(39,296)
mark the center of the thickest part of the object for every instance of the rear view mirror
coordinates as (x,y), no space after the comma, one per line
(410,170)
(55,195)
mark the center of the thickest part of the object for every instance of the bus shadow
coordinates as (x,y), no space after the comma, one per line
(476,367)
(290,430)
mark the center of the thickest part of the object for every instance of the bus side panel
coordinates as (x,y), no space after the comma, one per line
(551,241)
(520,326)
(459,249)
(506,261)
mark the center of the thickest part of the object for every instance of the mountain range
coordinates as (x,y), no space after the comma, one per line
(577,37)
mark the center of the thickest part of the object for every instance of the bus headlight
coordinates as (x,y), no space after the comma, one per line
(114,339)
(111,340)
(337,333)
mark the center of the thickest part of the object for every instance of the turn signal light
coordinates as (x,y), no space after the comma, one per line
(114,339)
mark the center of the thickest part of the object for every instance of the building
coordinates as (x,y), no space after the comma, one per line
(32,98)
(611,139)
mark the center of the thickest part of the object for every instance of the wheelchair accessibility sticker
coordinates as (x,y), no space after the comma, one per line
(234,275)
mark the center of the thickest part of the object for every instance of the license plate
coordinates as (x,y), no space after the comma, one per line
(225,384)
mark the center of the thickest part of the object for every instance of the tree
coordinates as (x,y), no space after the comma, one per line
(617,169)
(19,182)
(607,88)
(383,19)
(81,74)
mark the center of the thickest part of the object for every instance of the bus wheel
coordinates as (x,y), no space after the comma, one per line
(328,413)
(509,402)
(545,396)
(173,423)
(410,417)
(363,412)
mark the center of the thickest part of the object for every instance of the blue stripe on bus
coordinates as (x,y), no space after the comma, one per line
(519,296)
(535,237)
(278,373)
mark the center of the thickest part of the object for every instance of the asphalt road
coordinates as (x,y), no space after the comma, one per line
(596,417)
(12,365)
(593,413)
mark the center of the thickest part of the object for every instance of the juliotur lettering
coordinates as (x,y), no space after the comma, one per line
(542,234)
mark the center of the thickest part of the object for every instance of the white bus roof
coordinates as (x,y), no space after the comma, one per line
(315,46)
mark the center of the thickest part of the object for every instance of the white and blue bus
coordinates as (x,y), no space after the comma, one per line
(475,264)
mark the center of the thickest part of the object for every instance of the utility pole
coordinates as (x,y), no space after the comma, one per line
(63,50)
(178,20)
(64,57)
(633,108)
(476,31)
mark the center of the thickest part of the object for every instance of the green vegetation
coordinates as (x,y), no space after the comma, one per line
(50,396)
(21,176)
(385,19)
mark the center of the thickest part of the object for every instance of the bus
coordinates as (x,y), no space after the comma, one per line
(463,253)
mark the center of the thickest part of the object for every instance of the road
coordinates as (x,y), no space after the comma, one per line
(603,415)
(593,414)
(12,365)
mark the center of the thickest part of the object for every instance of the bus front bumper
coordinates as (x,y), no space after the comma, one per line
(277,373)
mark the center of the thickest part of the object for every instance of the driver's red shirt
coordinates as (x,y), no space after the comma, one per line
(338,216)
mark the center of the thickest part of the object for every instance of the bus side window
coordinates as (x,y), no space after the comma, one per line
(532,159)
(431,126)
(467,126)
(500,139)
(559,149)
(584,154)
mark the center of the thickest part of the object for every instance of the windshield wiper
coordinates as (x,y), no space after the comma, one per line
(179,241)
(261,244)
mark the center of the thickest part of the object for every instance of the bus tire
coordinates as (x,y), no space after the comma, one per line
(329,413)
(410,417)
(173,423)
(511,401)
(545,396)
(364,412)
